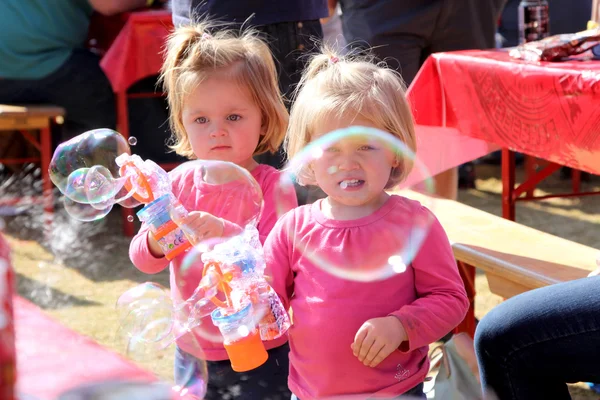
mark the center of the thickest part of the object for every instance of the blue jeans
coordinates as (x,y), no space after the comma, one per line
(531,345)
(412,394)
(267,382)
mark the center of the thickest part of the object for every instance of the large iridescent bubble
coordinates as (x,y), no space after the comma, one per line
(85,170)
(380,235)
(223,189)
(149,325)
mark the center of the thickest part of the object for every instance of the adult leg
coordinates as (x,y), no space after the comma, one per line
(81,87)
(396,32)
(290,43)
(462,25)
(531,345)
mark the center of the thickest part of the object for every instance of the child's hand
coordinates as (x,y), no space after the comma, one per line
(378,338)
(200,225)
(154,247)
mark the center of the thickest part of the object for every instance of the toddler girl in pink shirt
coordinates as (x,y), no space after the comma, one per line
(224,105)
(350,338)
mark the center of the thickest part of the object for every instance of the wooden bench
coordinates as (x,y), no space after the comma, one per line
(514,257)
(23,119)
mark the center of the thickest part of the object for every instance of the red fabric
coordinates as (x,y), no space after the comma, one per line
(52,358)
(548,110)
(136,53)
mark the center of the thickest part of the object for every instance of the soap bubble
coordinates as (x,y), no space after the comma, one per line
(223,189)
(132,390)
(132,140)
(85,171)
(146,313)
(353,166)
(99,147)
(149,325)
(86,212)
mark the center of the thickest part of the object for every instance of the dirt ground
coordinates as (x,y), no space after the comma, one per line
(79,273)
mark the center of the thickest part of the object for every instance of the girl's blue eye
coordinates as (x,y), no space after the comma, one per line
(201,120)
(366,147)
(234,117)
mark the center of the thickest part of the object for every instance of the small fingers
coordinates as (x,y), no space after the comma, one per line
(373,353)
(365,348)
(358,340)
(381,355)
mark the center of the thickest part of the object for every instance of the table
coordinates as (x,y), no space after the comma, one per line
(52,358)
(545,110)
(136,53)
(24,119)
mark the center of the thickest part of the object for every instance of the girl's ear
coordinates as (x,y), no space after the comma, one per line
(263,126)
(396,162)
(263,129)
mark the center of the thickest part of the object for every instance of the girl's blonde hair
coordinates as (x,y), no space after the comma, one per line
(193,53)
(334,86)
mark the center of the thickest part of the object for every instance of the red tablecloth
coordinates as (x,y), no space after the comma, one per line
(136,53)
(547,110)
(52,358)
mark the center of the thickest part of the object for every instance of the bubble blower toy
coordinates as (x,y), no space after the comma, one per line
(95,170)
(150,185)
(249,312)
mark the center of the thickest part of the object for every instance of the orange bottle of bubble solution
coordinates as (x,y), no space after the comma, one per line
(241,337)
(242,341)
(157,215)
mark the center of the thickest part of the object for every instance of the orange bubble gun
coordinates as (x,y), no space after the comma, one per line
(241,337)
(151,185)
(235,268)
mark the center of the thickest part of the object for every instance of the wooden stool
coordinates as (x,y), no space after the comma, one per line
(24,118)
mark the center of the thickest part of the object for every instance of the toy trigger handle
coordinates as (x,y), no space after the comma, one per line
(223,286)
(141,181)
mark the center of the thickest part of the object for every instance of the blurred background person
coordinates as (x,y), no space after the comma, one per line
(404,33)
(44,60)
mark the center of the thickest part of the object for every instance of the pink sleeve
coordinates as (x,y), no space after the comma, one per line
(277,251)
(139,253)
(270,214)
(441,298)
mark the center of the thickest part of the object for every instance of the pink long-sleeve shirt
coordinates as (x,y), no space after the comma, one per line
(428,298)
(196,195)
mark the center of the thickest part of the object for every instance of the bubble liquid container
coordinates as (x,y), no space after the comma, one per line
(157,215)
(242,340)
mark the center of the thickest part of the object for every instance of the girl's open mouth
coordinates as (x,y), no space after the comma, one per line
(351,183)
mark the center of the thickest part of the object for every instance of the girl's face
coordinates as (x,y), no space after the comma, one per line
(222,121)
(354,171)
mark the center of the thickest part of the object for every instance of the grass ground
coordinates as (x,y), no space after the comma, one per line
(78,274)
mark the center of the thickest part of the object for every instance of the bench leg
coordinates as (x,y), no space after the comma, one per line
(508,184)
(467,273)
(576,180)
(530,169)
(48,197)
